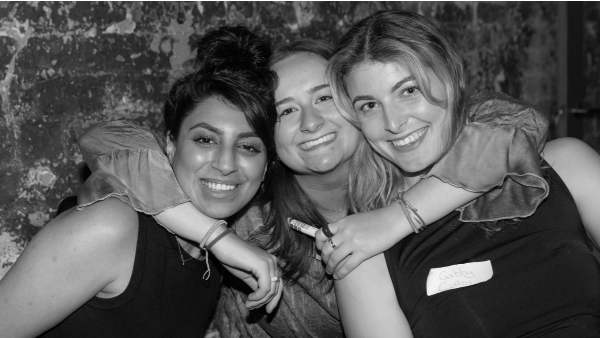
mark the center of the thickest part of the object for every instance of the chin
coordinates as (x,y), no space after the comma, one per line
(219,212)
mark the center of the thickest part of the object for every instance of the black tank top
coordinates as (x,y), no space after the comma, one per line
(545,283)
(164,298)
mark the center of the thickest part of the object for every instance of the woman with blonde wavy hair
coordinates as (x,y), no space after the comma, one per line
(509,264)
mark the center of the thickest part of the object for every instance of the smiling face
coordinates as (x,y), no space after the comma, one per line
(310,136)
(218,160)
(396,118)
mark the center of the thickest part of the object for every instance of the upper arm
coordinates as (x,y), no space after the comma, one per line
(70,260)
(578,165)
(367,302)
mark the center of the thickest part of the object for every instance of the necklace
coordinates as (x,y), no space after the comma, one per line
(181,253)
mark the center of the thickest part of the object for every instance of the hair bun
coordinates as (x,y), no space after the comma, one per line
(231,47)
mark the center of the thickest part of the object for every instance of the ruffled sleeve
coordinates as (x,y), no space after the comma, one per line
(498,152)
(127,162)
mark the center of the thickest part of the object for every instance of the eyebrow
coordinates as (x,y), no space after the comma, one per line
(282,101)
(401,82)
(394,88)
(204,125)
(317,88)
(310,91)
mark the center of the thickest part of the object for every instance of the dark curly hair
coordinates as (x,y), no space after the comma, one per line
(230,63)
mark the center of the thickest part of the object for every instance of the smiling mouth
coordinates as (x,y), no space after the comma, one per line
(310,144)
(410,139)
(218,186)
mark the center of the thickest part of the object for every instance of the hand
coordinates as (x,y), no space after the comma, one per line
(359,237)
(254,267)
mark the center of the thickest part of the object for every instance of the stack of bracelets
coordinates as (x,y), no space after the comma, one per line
(416,222)
(205,247)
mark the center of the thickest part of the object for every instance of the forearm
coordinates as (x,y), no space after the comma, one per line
(434,199)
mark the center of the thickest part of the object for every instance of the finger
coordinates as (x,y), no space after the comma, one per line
(262,272)
(346,266)
(329,248)
(326,251)
(274,279)
(320,239)
(273,303)
(336,257)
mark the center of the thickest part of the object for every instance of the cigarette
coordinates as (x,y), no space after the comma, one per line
(302,227)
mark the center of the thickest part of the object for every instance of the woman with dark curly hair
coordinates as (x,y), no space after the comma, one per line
(109,271)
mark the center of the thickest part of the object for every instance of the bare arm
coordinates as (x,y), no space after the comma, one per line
(503,137)
(367,302)
(579,167)
(360,236)
(128,163)
(72,259)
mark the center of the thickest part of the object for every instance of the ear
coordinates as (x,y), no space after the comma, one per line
(265,172)
(171,147)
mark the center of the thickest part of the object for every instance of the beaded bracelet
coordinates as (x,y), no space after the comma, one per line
(212,229)
(411,214)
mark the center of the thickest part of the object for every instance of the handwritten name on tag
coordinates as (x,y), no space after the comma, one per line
(458,276)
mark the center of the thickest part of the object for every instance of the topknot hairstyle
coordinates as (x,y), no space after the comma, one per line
(231,63)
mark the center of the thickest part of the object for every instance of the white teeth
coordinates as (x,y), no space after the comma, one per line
(410,139)
(218,186)
(310,144)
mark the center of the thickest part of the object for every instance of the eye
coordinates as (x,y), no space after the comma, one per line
(324,98)
(369,107)
(285,112)
(409,91)
(249,148)
(204,140)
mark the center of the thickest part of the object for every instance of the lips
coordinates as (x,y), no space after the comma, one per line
(218,186)
(410,139)
(310,144)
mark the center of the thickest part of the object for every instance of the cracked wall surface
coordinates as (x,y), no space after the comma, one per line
(67,65)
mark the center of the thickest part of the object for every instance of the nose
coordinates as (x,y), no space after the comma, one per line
(311,120)
(394,119)
(225,161)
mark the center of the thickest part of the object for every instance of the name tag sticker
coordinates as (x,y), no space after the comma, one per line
(458,276)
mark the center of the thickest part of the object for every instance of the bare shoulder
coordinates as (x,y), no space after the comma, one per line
(106,224)
(558,151)
(576,163)
(78,255)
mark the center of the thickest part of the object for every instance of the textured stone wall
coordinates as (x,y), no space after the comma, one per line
(591,54)
(67,65)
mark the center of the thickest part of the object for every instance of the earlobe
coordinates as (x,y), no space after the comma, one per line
(170,147)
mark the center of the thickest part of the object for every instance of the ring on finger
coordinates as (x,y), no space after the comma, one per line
(326,231)
(330,241)
(274,279)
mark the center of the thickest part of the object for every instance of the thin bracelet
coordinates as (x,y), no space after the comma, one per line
(407,214)
(414,210)
(221,235)
(411,213)
(212,229)
(210,232)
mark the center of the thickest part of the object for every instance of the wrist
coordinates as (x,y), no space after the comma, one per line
(186,221)
(400,226)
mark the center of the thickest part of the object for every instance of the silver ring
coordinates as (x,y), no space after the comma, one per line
(274,279)
(330,241)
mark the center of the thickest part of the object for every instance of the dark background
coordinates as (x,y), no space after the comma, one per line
(67,65)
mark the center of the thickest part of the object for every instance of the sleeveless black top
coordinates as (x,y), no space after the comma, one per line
(164,298)
(545,283)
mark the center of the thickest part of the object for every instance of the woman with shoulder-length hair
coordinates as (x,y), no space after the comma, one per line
(397,74)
